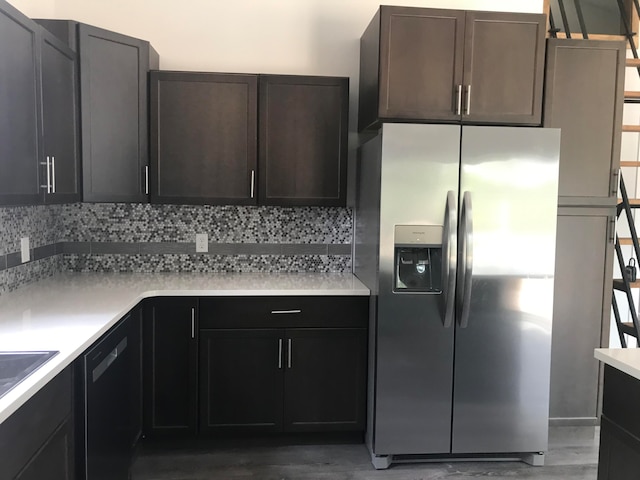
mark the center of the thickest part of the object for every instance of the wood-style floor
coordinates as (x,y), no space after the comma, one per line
(572,455)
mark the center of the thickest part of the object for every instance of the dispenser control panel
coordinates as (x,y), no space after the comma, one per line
(418,258)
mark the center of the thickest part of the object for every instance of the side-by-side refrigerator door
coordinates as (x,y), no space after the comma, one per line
(507,232)
(418,204)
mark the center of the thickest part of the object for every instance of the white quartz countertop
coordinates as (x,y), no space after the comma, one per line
(69,312)
(626,360)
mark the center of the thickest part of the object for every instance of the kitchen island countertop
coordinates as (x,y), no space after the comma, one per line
(69,312)
(626,360)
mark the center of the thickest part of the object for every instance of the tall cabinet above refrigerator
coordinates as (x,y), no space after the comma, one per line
(455,237)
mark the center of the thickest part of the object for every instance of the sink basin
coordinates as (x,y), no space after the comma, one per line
(16,366)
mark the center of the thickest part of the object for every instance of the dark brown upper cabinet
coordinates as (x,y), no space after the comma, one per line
(39,153)
(248,139)
(203,138)
(584,96)
(114,106)
(303,140)
(60,162)
(114,113)
(20,106)
(430,65)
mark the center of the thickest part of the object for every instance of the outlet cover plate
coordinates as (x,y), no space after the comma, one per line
(25,254)
(202,242)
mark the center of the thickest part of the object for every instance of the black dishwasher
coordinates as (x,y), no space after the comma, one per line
(112,401)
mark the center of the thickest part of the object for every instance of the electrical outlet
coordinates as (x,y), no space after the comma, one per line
(202,242)
(24,249)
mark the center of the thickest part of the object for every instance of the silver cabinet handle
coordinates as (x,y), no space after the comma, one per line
(468,112)
(193,323)
(53,174)
(449,244)
(279,353)
(465,264)
(612,229)
(285,311)
(48,185)
(146,179)
(253,182)
(614,181)
(289,353)
(459,100)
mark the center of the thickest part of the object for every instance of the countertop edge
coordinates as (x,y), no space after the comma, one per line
(624,359)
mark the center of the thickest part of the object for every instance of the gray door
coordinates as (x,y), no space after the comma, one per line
(507,229)
(584,271)
(589,114)
(414,349)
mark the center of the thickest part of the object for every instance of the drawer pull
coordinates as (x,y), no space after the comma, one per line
(285,311)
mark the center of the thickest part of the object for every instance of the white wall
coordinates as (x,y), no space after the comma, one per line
(263,36)
(308,37)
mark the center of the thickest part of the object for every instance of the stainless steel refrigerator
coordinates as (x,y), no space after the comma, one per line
(455,236)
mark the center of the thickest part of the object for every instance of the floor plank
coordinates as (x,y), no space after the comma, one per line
(573,454)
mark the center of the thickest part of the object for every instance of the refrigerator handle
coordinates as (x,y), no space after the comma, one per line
(449,244)
(465,261)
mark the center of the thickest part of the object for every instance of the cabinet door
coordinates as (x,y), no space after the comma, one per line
(135,375)
(325,379)
(170,355)
(241,380)
(584,97)
(19,103)
(584,264)
(54,460)
(303,140)
(30,427)
(503,68)
(619,456)
(203,138)
(60,120)
(113,100)
(421,59)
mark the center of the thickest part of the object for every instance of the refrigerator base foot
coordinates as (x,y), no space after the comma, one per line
(381,462)
(534,459)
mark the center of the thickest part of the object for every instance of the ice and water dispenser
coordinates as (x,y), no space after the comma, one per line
(418,258)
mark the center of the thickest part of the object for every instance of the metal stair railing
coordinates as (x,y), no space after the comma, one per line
(629,328)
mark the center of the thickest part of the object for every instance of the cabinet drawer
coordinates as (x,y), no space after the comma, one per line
(284,312)
(24,432)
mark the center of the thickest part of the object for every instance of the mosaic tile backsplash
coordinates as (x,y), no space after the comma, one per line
(120,222)
(42,225)
(85,237)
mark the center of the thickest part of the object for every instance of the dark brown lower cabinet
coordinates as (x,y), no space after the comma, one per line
(241,379)
(170,366)
(325,380)
(37,441)
(274,380)
(619,457)
(54,459)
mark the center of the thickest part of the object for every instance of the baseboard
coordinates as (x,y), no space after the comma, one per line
(574,422)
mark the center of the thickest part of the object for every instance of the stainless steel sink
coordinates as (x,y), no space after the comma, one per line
(16,366)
